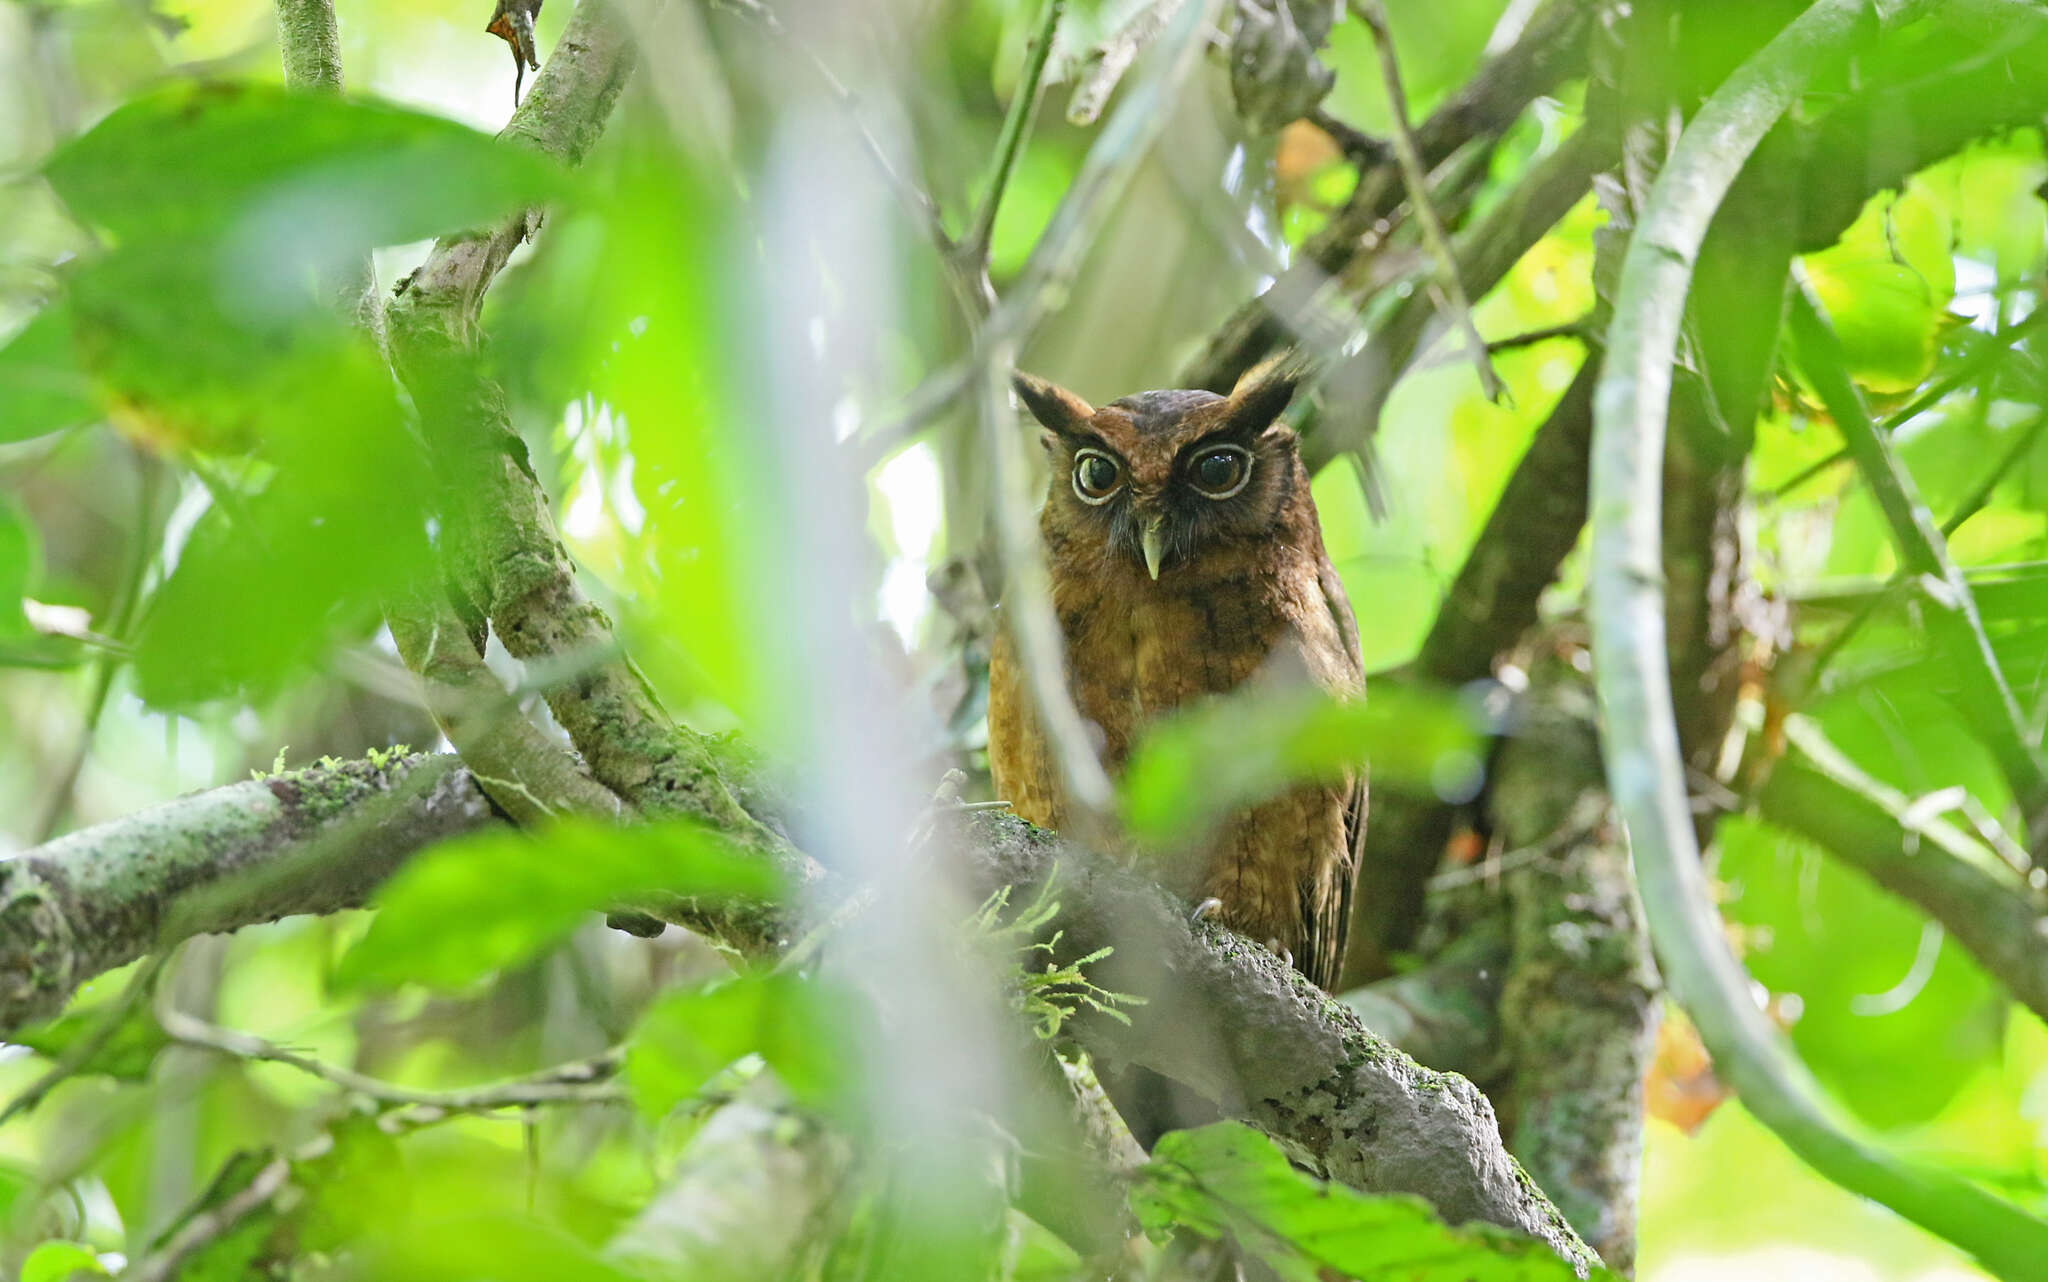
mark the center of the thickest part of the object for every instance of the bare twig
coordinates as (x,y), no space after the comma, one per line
(211,1224)
(1416,176)
(1105,172)
(141,552)
(1010,142)
(916,201)
(1114,56)
(586,1081)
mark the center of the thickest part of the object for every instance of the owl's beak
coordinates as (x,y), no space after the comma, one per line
(1153,541)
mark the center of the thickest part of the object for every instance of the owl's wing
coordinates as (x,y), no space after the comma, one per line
(1335,937)
(1339,607)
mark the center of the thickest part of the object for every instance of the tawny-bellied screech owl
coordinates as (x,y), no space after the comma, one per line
(1186,560)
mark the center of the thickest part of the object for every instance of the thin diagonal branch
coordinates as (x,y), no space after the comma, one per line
(1923,553)
(1819,793)
(974,247)
(970,288)
(1416,177)
(584,1081)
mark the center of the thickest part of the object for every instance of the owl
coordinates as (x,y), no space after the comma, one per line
(1186,560)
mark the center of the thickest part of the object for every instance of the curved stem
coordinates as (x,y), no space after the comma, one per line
(1644,767)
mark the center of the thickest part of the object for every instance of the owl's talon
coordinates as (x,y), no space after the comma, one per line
(1286,956)
(1206,909)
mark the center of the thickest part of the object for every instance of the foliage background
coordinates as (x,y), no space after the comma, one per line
(1896,1020)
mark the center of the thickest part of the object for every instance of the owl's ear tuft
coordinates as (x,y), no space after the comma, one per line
(1260,395)
(1052,405)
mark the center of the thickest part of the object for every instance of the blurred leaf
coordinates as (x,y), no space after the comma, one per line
(797,1026)
(1225,753)
(488,1248)
(497,899)
(61,1262)
(41,382)
(17,569)
(1886,286)
(1228,1181)
(1877,987)
(306,179)
(271,578)
(231,1254)
(127,1054)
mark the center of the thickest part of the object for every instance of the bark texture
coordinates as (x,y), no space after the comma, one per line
(1579,1012)
(311,841)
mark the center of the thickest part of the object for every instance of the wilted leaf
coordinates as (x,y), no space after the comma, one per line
(482,903)
(1222,754)
(795,1025)
(1228,1181)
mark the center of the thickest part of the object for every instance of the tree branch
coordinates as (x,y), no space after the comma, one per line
(582,1082)
(1923,552)
(104,896)
(1644,761)
(1415,177)
(1550,51)
(1225,1017)
(1984,904)
(1578,1013)
(310,42)
(562,116)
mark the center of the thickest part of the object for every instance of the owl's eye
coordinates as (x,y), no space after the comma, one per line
(1096,476)
(1221,472)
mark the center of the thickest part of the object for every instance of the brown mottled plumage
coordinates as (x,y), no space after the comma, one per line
(1186,560)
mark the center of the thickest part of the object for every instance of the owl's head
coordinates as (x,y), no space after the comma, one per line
(1161,477)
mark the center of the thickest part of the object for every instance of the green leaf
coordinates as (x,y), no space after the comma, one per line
(494,900)
(288,175)
(306,555)
(1886,286)
(497,1247)
(17,569)
(60,1262)
(127,1054)
(797,1026)
(1228,1181)
(1223,754)
(41,382)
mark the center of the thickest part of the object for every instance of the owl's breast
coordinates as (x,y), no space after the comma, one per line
(1138,649)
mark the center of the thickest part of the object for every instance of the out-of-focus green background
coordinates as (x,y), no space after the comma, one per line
(95,521)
